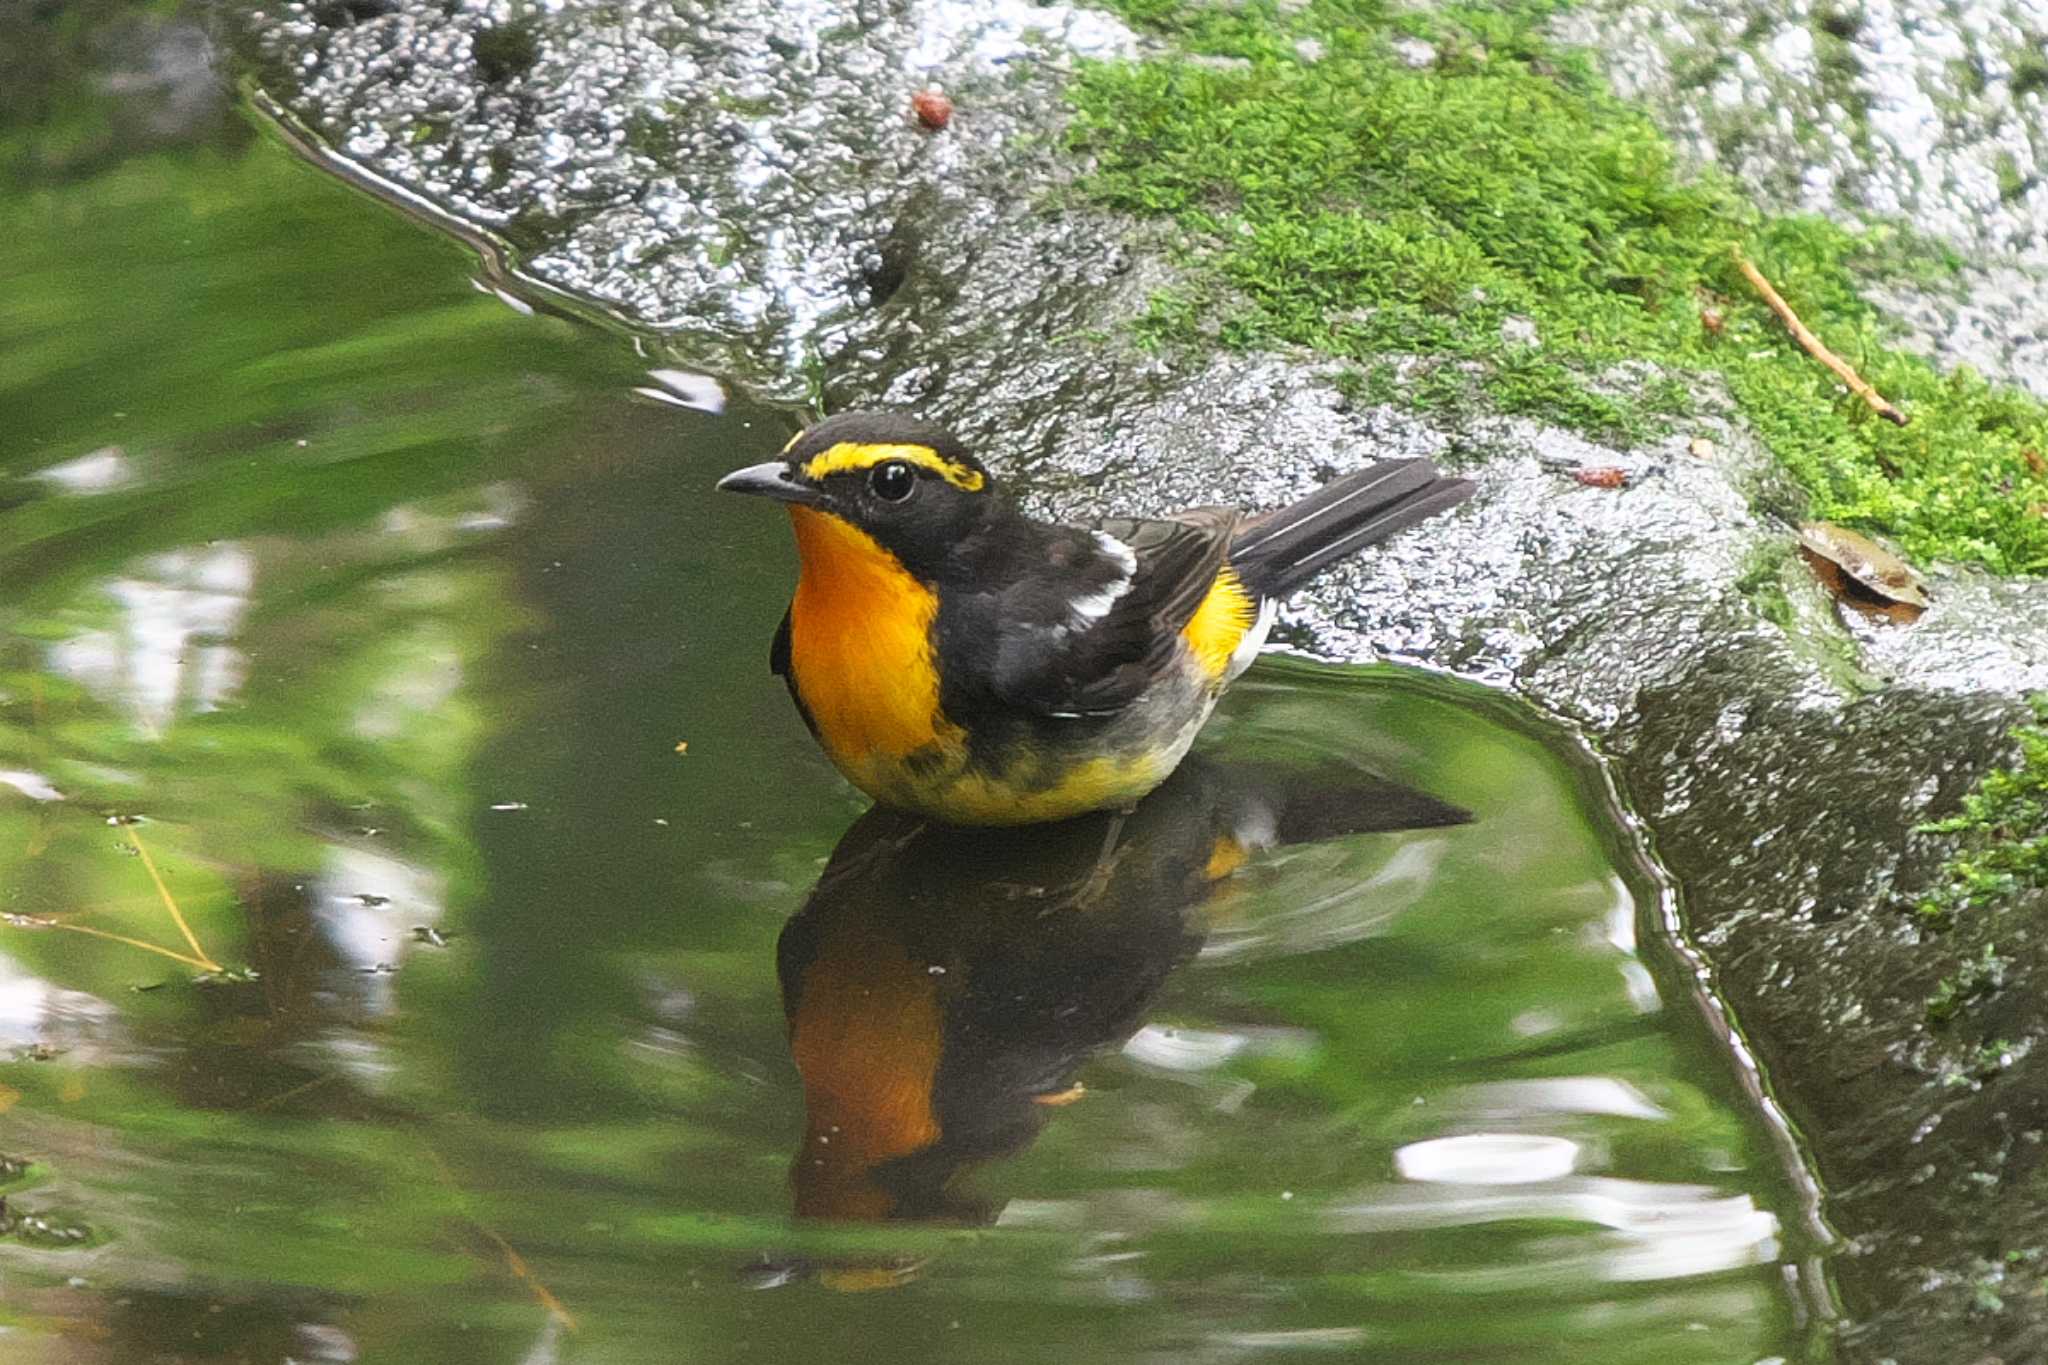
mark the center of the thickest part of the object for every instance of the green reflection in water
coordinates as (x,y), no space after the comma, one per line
(388,613)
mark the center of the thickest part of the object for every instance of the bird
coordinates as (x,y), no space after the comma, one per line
(944,987)
(959,659)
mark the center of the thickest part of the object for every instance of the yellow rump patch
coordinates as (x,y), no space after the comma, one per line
(848,456)
(1219,624)
(1226,856)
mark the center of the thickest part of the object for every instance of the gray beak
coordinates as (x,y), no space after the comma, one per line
(771,480)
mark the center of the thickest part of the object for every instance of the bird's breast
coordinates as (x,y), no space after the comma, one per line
(867,1035)
(861,648)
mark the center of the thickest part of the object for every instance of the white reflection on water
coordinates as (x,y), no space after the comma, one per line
(33,1012)
(428,527)
(1618,929)
(1488,1159)
(1355,908)
(685,389)
(34,786)
(1300,1339)
(102,471)
(1649,1231)
(1183,1049)
(1192,1055)
(168,653)
(399,698)
(1502,1100)
(1173,1048)
(367,905)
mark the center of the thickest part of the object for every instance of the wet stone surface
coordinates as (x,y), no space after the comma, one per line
(750,178)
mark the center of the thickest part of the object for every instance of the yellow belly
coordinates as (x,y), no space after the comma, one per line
(1022,794)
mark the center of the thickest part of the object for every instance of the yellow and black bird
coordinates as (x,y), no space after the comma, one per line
(959,659)
(944,988)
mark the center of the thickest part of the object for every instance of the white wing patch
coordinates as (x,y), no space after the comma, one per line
(1093,607)
(1254,639)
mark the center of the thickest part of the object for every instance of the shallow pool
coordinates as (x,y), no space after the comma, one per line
(413,881)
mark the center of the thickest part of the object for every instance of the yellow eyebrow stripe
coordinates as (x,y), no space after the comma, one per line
(849,455)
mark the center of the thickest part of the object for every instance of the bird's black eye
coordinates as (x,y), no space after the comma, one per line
(893,481)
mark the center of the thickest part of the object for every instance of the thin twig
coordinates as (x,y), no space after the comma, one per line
(514,1262)
(112,905)
(291,1094)
(1857,384)
(205,963)
(158,949)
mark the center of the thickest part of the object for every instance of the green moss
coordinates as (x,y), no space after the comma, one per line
(747,106)
(2011,184)
(1763,582)
(2029,67)
(1977,978)
(1840,70)
(2004,824)
(506,51)
(1372,210)
(656,136)
(1766,582)
(1967,75)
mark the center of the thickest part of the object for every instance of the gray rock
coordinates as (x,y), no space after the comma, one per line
(1415,52)
(743,177)
(746,177)
(1520,331)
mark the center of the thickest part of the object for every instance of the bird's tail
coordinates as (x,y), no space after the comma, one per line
(1279,551)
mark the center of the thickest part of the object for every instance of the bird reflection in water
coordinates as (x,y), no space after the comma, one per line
(945,987)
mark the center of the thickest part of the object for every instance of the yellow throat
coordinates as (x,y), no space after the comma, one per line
(861,650)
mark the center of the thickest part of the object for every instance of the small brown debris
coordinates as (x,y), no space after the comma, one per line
(1700,448)
(1711,319)
(1602,476)
(862,1279)
(1863,574)
(1857,384)
(932,108)
(2035,462)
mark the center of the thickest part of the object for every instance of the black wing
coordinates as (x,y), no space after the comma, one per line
(778,664)
(1059,661)
(778,653)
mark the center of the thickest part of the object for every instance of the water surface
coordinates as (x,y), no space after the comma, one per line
(374,626)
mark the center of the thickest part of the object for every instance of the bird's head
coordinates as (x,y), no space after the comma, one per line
(910,486)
